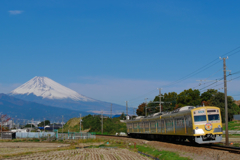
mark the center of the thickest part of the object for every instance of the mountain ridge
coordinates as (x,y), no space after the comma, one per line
(45,91)
(26,110)
(47,88)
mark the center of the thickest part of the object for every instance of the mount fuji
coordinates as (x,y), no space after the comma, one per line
(45,91)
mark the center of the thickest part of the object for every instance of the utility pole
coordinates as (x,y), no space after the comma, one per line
(31,124)
(160,108)
(1,126)
(226,107)
(44,124)
(102,122)
(53,126)
(111,110)
(126,108)
(12,122)
(146,107)
(80,124)
(62,123)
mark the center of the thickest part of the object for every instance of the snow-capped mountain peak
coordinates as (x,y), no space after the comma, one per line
(46,88)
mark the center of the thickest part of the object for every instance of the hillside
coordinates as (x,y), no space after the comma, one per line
(27,110)
(237,102)
(93,124)
(45,91)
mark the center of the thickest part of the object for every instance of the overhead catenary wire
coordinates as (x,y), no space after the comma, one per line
(179,96)
(208,65)
(217,80)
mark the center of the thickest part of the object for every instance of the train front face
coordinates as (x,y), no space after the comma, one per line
(207,124)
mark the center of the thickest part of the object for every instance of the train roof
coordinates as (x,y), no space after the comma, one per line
(183,110)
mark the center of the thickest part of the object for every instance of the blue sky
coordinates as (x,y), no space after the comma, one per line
(117,50)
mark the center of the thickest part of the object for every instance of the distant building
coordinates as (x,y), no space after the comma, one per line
(236,117)
(50,127)
(8,124)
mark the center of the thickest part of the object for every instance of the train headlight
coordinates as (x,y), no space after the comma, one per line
(196,127)
(219,126)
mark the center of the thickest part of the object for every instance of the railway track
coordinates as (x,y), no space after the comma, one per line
(225,148)
(230,149)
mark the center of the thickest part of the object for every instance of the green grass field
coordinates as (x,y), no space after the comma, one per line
(233,125)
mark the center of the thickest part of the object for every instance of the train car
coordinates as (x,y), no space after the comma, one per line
(197,124)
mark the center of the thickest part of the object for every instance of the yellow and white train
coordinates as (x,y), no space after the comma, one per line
(197,124)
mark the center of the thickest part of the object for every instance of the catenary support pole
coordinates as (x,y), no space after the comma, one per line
(62,123)
(160,100)
(80,123)
(1,125)
(146,106)
(44,124)
(111,110)
(102,122)
(126,108)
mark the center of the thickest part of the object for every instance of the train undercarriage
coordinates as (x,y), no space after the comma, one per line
(206,139)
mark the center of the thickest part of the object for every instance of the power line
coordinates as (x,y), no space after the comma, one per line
(193,73)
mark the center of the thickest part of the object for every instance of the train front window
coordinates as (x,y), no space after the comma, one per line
(213,117)
(200,118)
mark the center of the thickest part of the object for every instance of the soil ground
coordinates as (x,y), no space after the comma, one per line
(194,152)
(86,154)
(43,151)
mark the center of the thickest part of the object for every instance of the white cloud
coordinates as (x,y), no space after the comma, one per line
(15,12)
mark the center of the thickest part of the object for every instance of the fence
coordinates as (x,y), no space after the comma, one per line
(55,134)
(35,134)
(76,135)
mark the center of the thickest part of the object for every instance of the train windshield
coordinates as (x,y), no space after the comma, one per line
(200,118)
(213,117)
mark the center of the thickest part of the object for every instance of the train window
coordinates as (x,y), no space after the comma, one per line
(213,117)
(146,125)
(159,124)
(153,125)
(135,125)
(140,125)
(199,118)
(211,111)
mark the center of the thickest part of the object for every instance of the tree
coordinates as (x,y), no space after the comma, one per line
(189,98)
(218,100)
(169,101)
(4,118)
(93,122)
(47,122)
(110,125)
(141,109)
(122,116)
(206,96)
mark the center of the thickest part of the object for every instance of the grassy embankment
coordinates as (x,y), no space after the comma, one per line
(93,124)
(72,126)
(233,125)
